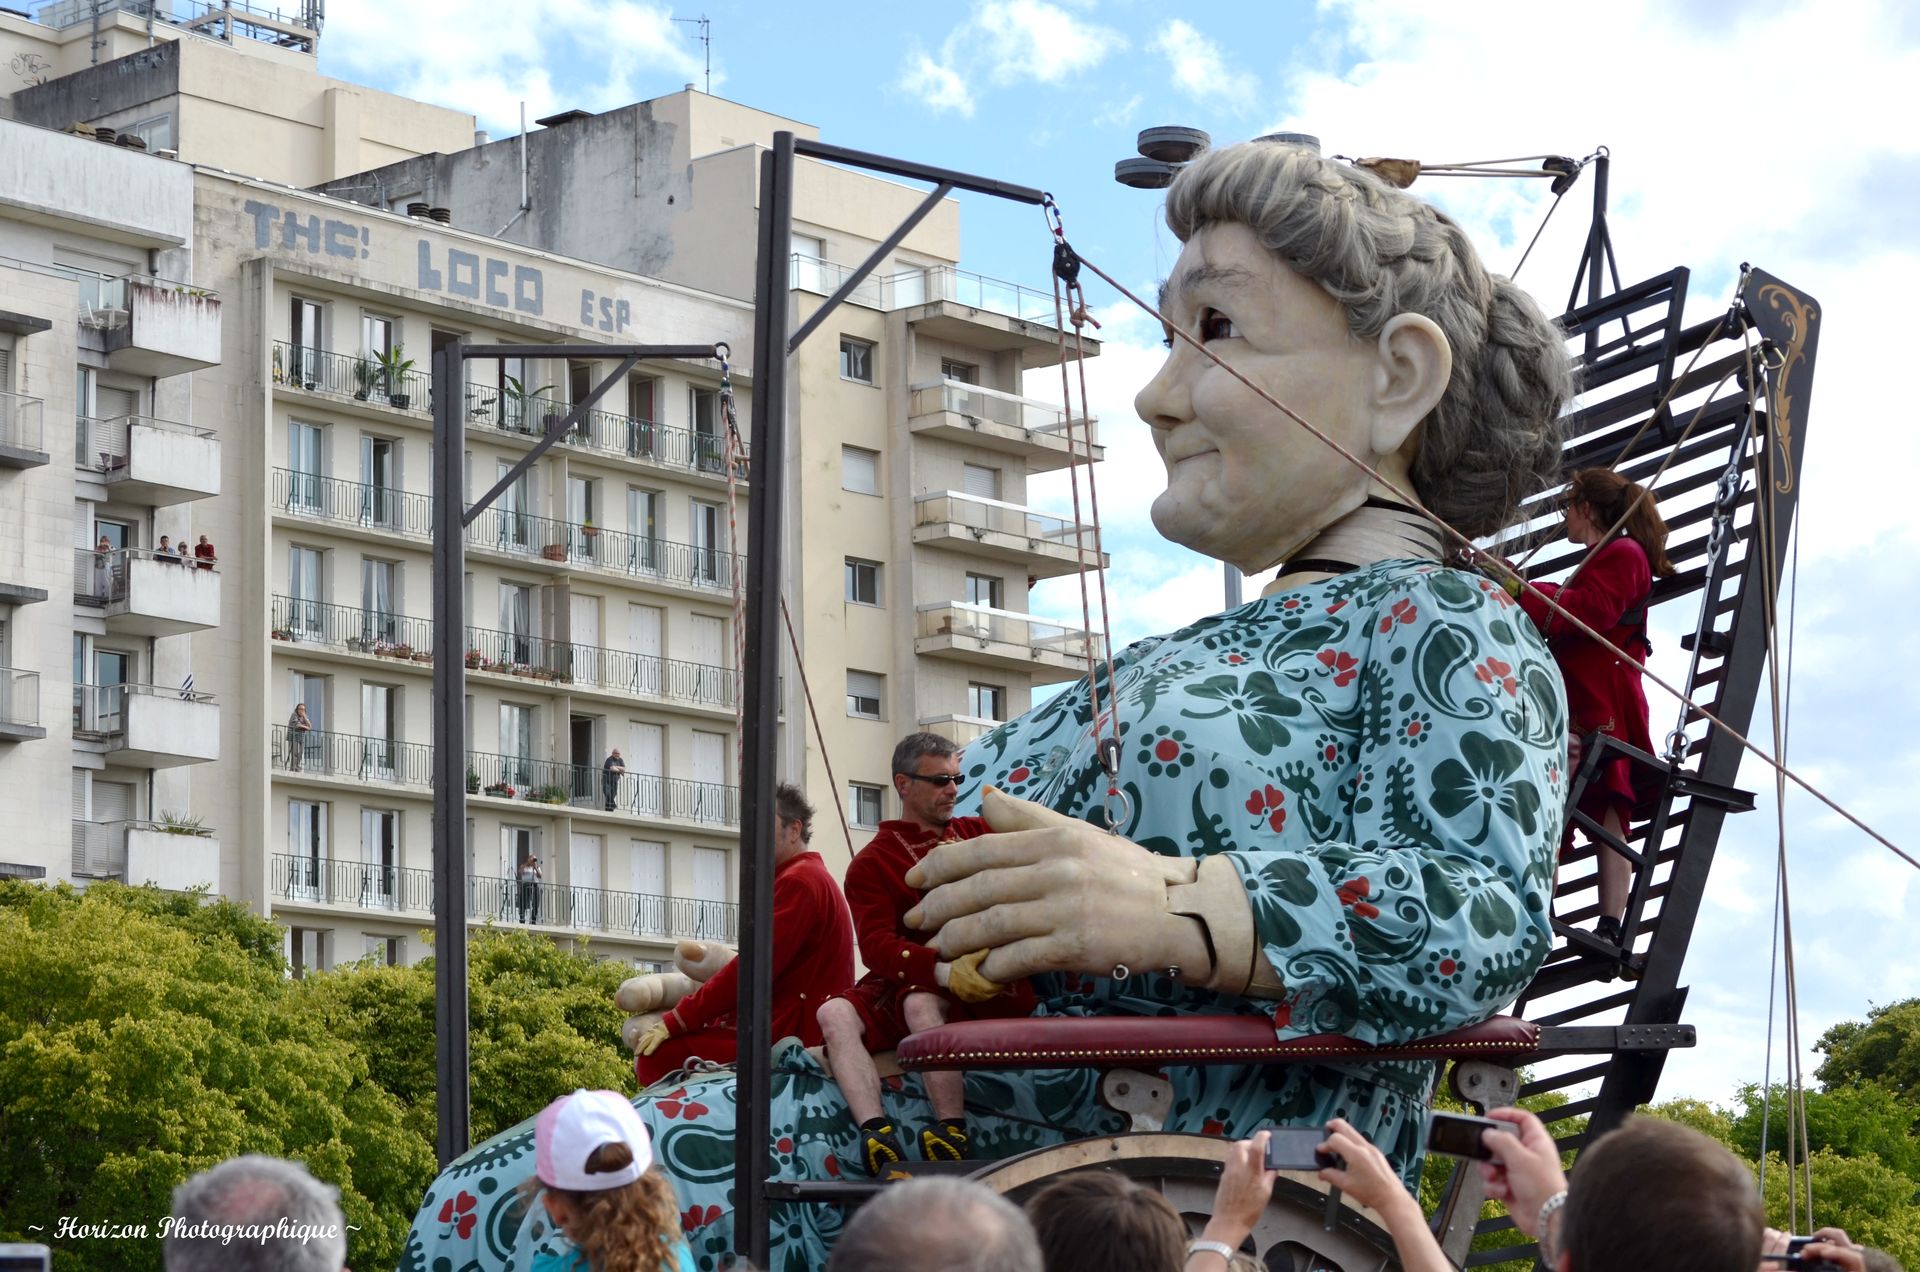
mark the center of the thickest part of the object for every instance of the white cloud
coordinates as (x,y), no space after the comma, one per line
(1007,43)
(939,87)
(488,56)
(1200,69)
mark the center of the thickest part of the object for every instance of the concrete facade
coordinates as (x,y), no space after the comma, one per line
(910,546)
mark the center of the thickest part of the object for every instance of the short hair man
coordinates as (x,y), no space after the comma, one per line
(907,987)
(812,959)
(306,1231)
(937,1225)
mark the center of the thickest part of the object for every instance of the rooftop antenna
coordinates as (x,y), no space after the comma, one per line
(706,39)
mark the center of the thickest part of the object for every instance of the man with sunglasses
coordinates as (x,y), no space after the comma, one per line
(812,960)
(908,987)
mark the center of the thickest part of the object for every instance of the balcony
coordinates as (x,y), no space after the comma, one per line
(173,856)
(351,757)
(146,593)
(606,433)
(568,545)
(351,503)
(977,634)
(147,726)
(20,706)
(299,879)
(149,461)
(1043,545)
(579,785)
(573,666)
(952,304)
(1036,431)
(351,377)
(150,326)
(963,729)
(22,435)
(355,631)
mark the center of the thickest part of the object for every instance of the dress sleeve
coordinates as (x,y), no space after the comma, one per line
(878,902)
(1612,583)
(1428,911)
(796,909)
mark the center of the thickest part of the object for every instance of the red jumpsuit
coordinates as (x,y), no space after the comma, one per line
(897,957)
(812,961)
(1604,693)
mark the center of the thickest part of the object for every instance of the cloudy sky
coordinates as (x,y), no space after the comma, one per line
(1781,135)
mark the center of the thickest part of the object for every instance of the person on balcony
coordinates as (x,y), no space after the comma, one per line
(611,772)
(908,986)
(103,568)
(299,725)
(165,551)
(812,960)
(1339,803)
(529,876)
(203,553)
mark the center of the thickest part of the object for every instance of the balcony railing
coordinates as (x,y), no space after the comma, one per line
(105,293)
(21,426)
(1009,409)
(372,886)
(348,755)
(602,432)
(565,543)
(614,670)
(963,729)
(358,631)
(350,375)
(101,578)
(105,446)
(924,286)
(19,696)
(996,517)
(556,782)
(102,709)
(352,503)
(963,620)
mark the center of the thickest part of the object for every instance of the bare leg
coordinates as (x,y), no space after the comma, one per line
(946,1088)
(848,1061)
(1616,872)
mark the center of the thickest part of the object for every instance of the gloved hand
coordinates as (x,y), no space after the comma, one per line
(1046,893)
(650,1040)
(966,982)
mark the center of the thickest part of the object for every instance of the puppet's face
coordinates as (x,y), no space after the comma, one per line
(1245,484)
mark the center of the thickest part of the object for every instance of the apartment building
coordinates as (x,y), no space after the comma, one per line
(911,544)
(229,85)
(105,734)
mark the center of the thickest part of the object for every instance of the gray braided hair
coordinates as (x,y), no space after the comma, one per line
(1494,437)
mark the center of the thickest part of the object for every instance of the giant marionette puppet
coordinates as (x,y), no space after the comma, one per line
(1342,799)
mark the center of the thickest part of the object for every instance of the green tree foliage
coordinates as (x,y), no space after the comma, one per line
(1884,1049)
(146,1036)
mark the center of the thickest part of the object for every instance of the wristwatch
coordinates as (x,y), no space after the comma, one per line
(1221,1248)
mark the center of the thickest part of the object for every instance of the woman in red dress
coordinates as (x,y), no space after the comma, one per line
(1604,693)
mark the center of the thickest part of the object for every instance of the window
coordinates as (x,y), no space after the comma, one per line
(704,411)
(711,566)
(155,130)
(980,481)
(516,743)
(856,360)
(309,950)
(986,702)
(377,335)
(859,470)
(306,848)
(380,496)
(863,581)
(643,431)
(306,467)
(304,334)
(643,531)
(984,589)
(863,804)
(307,610)
(864,692)
(379,603)
(387,951)
(583,515)
(379,857)
(964,372)
(516,622)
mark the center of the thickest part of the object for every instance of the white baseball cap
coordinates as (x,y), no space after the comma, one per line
(568,1131)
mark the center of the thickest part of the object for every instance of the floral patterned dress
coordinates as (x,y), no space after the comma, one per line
(1380,755)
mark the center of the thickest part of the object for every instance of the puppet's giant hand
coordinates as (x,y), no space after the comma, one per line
(1046,893)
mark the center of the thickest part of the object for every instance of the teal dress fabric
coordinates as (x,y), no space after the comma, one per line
(566,1258)
(1382,758)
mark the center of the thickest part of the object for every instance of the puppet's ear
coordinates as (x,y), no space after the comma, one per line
(1414,363)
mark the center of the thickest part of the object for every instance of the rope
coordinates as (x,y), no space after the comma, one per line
(1551,209)
(1495,563)
(732,449)
(806,689)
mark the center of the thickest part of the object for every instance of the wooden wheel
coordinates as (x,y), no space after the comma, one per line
(1290,1237)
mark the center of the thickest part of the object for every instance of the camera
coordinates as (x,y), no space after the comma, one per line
(1795,1261)
(1298,1148)
(1460,1134)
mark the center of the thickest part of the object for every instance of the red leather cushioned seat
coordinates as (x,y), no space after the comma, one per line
(1080,1042)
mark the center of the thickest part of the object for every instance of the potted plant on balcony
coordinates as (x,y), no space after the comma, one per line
(394,366)
(366,373)
(501,789)
(590,530)
(279,368)
(473,782)
(517,405)
(281,633)
(474,659)
(554,552)
(402,650)
(553,794)
(175,824)
(423,655)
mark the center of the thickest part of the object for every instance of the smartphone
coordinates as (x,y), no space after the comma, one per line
(1458,1134)
(16,1257)
(1298,1148)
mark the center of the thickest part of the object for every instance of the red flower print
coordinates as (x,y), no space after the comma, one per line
(458,1211)
(1020,774)
(700,1216)
(1236,659)
(1352,894)
(1282,1015)
(1337,606)
(1213,1126)
(1292,602)
(696,1110)
(1495,672)
(833,1167)
(1340,664)
(1166,749)
(1448,967)
(1268,803)
(1413,728)
(784,1144)
(1405,611)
